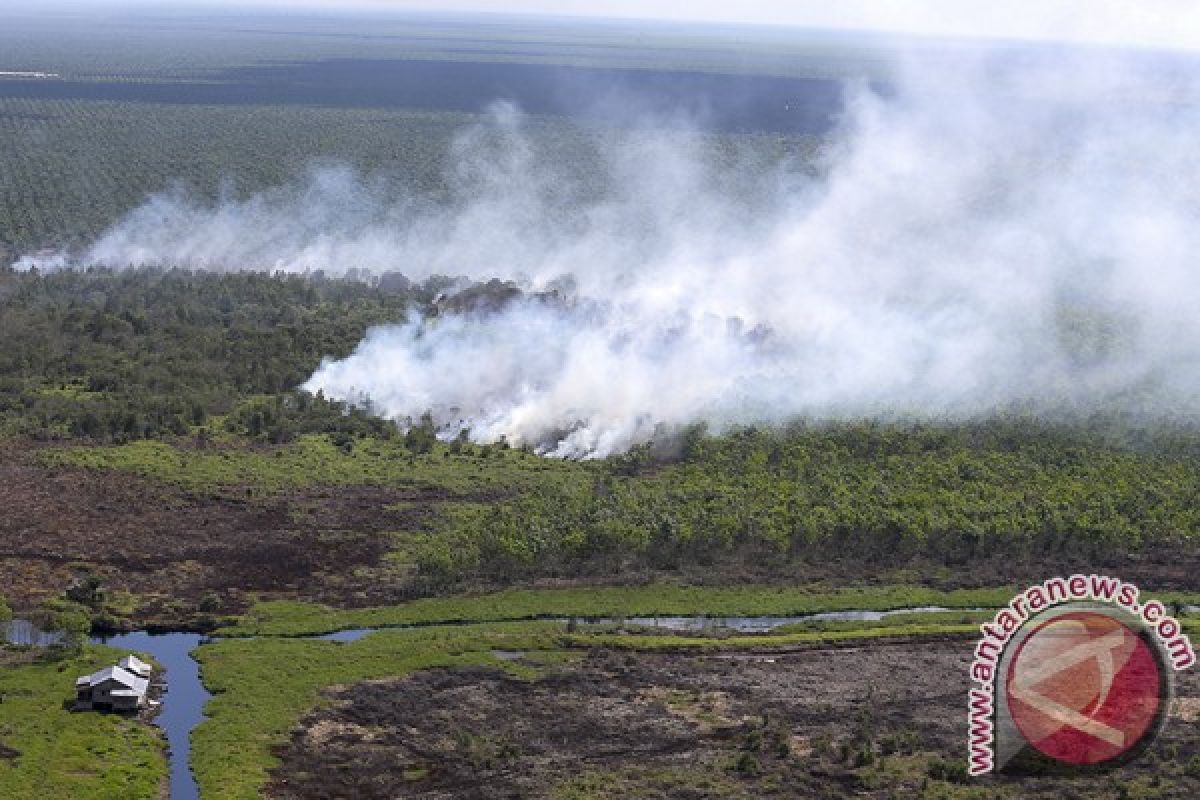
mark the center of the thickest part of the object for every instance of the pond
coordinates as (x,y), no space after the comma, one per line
(766,624)
(27,632)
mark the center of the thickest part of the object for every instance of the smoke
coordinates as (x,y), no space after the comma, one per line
(1011,231)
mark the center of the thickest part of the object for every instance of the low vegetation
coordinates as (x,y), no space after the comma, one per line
(749,505)
(181,390)
(48,751)
(323,460)
(747,522)
(283,618)
(272,689)
(261,687)
(1001,490)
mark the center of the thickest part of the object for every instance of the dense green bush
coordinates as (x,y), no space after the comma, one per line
(874,493)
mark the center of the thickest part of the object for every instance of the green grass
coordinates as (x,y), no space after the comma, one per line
(286,618)
(80,756)
(314,460)
(854,632)
(616,784)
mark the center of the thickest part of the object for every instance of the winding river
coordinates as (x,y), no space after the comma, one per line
(183,703)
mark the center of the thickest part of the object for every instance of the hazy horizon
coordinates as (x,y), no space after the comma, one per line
(1154,24)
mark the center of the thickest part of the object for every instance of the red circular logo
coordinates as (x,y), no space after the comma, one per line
(1084,688)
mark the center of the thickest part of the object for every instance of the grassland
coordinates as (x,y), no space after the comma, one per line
(284,618)
(48,751)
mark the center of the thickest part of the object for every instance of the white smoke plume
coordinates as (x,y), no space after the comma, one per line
(1005,232)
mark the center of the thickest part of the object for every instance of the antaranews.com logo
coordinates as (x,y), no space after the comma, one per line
(1075,672)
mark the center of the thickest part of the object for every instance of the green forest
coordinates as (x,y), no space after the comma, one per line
(140,367)
(118,356)
(70,169)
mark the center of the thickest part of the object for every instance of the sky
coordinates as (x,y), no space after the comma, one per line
(1149,23)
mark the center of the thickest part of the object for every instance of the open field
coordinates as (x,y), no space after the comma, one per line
(261,687)
(378,523)
(171,549)
(880,721)
(838,505)
(270,691)
(336,526)
(525,709)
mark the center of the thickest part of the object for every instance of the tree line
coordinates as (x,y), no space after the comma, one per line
(119,355)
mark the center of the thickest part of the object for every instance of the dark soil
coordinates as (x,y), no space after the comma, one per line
(880,722)
(171,547)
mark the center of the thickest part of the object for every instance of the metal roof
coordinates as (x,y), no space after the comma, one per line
(121,676)
(135,665)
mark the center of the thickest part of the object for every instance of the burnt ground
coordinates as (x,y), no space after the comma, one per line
(171,547)
(880,722)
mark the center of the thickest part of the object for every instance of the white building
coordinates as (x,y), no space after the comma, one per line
(112,689)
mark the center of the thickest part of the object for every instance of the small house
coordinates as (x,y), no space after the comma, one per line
(111,689)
